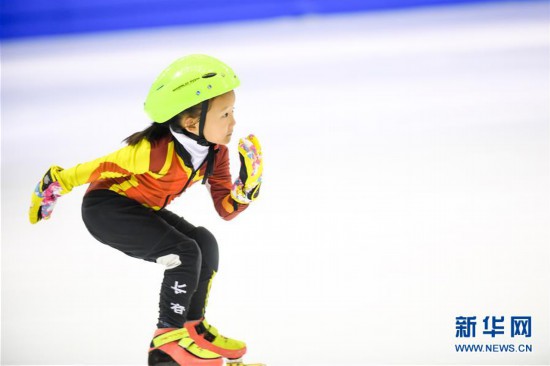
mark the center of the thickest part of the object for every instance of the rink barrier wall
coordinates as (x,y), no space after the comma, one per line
(31,18)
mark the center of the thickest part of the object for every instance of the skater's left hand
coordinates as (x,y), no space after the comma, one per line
(45,195)
(247,187)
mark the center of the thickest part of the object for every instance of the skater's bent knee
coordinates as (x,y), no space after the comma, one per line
(208,246)
(203,235)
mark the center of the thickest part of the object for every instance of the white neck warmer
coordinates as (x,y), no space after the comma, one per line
(198,152)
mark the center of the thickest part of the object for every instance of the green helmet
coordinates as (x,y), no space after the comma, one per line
(186,82)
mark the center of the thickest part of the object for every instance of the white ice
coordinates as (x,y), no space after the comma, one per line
(406,183)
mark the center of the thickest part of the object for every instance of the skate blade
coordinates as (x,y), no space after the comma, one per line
(240,363)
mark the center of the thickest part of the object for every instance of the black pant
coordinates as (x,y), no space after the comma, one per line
(189,253)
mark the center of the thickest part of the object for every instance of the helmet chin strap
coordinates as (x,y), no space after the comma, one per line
(202,140)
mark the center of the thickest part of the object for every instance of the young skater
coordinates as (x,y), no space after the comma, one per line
(191,105)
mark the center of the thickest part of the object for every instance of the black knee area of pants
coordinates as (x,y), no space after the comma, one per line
(189,249)
(208,247)
(190,256)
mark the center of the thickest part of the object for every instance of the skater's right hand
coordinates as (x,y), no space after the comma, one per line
(45,195)
(247,187)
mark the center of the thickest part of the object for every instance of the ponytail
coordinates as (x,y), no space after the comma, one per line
(154,132)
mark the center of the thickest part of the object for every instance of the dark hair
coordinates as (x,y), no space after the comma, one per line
(156,130)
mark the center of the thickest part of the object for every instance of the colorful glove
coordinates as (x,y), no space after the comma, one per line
(247,187)
(45,195)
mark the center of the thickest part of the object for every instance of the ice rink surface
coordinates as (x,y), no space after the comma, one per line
(406,183)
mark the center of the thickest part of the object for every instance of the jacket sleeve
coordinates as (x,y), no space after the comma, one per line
(219,184)
(126,161)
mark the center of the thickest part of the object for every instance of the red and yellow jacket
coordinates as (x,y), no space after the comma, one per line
(155,174)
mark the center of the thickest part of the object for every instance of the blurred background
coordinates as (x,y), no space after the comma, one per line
(407,177)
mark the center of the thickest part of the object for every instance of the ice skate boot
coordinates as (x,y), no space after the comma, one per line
(174,347)
(208,337)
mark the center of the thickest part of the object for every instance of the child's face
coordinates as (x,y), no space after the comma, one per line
(219,120)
